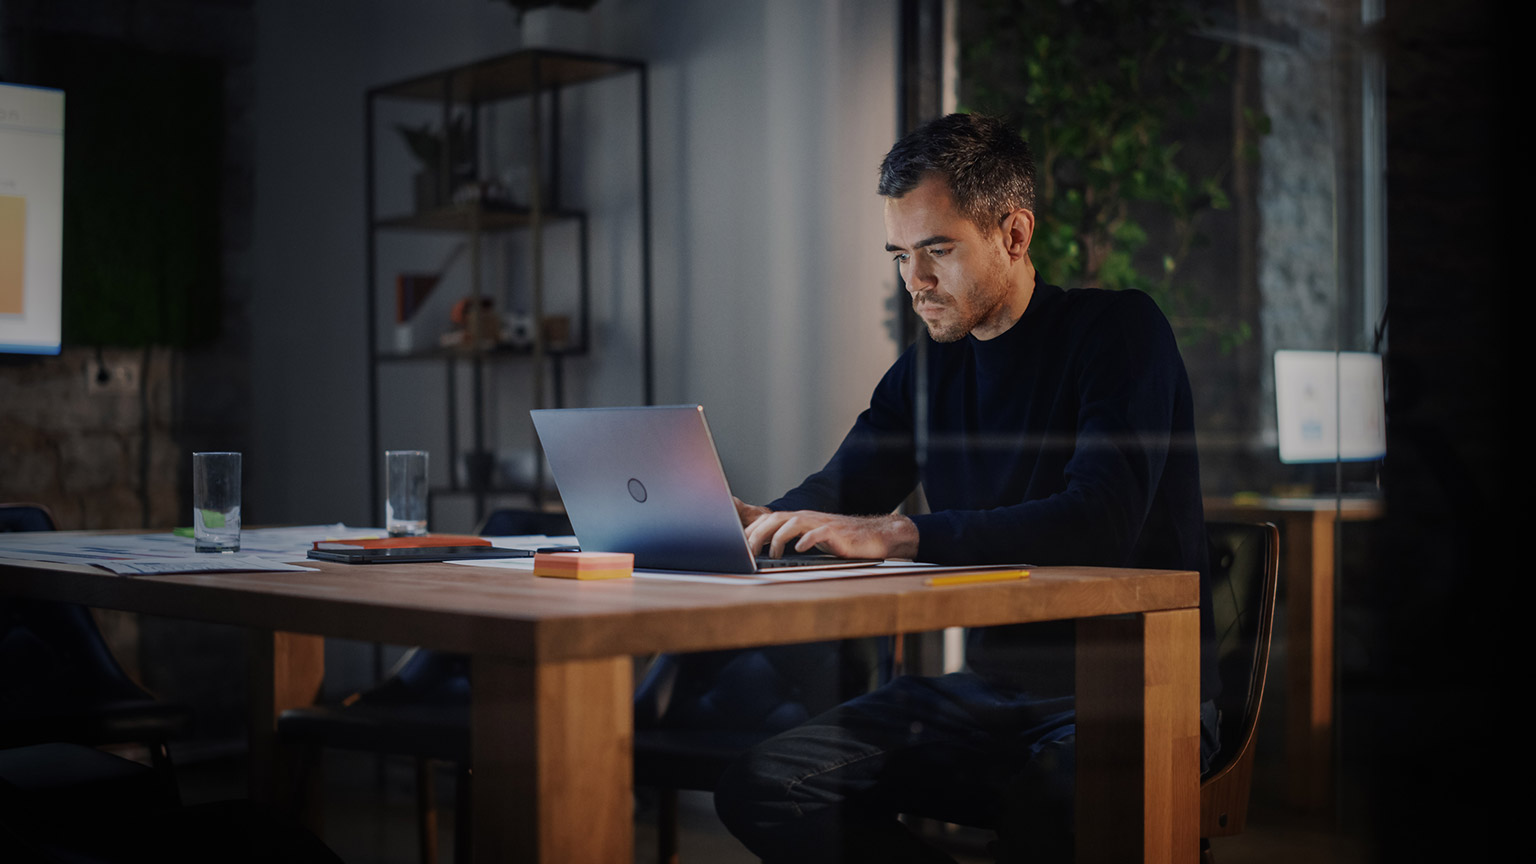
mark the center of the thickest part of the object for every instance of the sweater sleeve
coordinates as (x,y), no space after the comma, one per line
(1127,377)
(874,468)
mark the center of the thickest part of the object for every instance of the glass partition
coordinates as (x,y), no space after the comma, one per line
(1227,158)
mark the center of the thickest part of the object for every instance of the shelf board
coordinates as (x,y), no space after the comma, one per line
(468,216)
(498,351)
(508,76)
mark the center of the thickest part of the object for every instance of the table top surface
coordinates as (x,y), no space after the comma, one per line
(516,614)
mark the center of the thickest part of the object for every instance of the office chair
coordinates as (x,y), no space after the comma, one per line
(60,683)
(420,709)
(1245,570)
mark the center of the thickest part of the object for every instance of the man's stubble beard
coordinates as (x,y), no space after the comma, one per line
(956,330)
(952,331)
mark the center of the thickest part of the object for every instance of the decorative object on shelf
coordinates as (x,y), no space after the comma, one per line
(439,154)
(475,323)
(411,291)
(421,311)
(557,332)
(490,193)
(518,330)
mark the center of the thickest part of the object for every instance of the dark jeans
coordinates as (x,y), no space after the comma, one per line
(951,748)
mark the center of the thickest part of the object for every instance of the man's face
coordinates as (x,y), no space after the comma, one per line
(956,274)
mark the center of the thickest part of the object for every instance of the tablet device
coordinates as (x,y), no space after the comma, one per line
(417,554)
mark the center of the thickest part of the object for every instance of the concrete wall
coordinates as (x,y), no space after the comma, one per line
(768,120)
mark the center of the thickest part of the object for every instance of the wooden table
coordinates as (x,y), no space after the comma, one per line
(552,722)
(1307,571)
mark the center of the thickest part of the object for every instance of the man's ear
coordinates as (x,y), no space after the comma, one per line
(1018,229)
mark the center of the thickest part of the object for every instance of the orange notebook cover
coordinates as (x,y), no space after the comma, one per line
(424,541)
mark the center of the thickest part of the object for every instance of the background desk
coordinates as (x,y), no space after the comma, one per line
(1307,572)
(551,717)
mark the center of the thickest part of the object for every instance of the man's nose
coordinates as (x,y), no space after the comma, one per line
(919,276)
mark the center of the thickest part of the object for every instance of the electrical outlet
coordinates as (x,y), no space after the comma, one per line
(103,378)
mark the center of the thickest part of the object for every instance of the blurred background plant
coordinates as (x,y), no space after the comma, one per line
(1097,88)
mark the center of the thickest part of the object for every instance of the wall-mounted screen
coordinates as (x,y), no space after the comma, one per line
(1330,405)
(31,218)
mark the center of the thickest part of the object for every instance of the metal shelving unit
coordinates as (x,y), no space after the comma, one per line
(454,194)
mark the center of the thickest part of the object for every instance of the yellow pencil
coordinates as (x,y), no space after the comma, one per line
(968,578)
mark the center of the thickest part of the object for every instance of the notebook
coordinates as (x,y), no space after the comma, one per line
(648,481)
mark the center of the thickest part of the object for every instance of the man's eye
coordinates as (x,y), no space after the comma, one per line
(901,257)
(937,253)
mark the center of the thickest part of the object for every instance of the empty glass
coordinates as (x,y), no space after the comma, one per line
(405,499)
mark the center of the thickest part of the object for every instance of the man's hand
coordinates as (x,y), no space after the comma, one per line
(890,536)
(748,512)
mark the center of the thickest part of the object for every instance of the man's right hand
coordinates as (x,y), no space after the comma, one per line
(748,513)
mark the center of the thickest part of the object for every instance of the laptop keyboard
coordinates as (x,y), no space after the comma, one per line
(766,563)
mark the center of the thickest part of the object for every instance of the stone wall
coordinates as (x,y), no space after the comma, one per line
(97,456)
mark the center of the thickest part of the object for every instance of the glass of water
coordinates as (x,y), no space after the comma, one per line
(216,502)
(405,499)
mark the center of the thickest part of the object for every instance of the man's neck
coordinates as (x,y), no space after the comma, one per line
(1012,307)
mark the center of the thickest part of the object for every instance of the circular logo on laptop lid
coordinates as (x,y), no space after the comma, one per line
(637,490)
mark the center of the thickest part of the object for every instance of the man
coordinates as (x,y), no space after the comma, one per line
(1046,427)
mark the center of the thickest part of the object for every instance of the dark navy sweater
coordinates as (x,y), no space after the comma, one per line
(1069,439)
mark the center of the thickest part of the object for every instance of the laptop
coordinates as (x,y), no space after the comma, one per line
(648,480)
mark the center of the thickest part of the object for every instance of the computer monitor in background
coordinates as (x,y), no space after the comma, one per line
(1331,405)
(31,218)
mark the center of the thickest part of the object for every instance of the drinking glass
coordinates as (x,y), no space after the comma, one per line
(405,499)
(216,502)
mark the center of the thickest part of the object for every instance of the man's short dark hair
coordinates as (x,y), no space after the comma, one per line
(989,168)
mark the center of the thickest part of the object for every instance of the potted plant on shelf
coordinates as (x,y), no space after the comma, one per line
(446,160)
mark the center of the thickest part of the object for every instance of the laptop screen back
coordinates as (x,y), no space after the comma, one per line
(645,480)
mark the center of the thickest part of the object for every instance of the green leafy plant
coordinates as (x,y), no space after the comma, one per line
(1094,85)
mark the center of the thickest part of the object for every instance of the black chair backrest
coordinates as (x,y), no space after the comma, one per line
(52,655)
(512,522)
(1244,574)
(25,517)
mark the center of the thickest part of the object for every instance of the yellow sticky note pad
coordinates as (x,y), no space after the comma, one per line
(584,565)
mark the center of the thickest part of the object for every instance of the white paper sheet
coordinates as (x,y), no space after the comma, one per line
(259,546)
(204,563)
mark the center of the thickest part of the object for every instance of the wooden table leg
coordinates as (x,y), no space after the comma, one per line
(1138,738)
(1308,561)
(552,749)
(286,671)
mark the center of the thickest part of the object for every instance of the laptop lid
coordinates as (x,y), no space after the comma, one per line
(645,480)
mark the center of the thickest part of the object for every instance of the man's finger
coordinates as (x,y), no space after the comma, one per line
(781,538)
(762,528)
(812,539)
